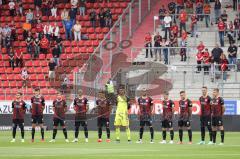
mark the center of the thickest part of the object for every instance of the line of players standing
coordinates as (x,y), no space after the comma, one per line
(212,110)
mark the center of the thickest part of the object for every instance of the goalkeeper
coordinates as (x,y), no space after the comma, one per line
(121,117)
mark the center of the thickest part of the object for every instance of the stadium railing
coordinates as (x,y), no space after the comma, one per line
(97,70)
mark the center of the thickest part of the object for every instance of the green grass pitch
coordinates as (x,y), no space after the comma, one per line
(93,150)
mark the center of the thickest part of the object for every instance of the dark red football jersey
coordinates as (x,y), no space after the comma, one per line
(103,108)
(19,109)
(217,104)
(59,108)
(38,105)
(168,106)
(80,106)
(205,105)
(145,106)
(184,106)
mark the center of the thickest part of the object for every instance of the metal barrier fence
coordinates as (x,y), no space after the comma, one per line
(97,70)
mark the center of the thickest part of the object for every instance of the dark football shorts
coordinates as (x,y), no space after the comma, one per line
(205,121)
(37,119)
(57,121)
(167,124)
(217,121)
(82,123)
(18,121)
(103,122)
(184,123)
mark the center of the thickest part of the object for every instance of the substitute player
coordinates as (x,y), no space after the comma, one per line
(121,117)
(185,117)
(59,109)
(168,113)
(205,118)
(218,110)
(145,114)
(81,107)
(37,108)
(103,110)
(19,109)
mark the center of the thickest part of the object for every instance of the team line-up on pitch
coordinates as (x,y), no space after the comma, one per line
(212,111)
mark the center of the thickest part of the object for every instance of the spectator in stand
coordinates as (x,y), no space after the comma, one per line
(183,20)
(36,47)
(237,26)
(29,16)
(200,47)
(1,30)
(216,53)
(230,32)
(65,83)
(173,42)
(54,10)
(199,58)
(73,14)
(13,31)
(19,57)
(38,3)
(224,16)
(64,16)
(161,13)
(82,7)
(55,32)
(206,61)
(167,24)
(93,18)
(148,45)
(6,31)
(180,5)
(56,55)
(8,42)
(165,46)
(171,8)
(12,6)
(217,10)
(157,45)
(232,55)
(39,29)
(48,30)
(74,5)
(189,6)
(108,18)
(52,66)
(25,77)
(193,25)
(174,29)
(224,66)
(68,29)
(29,42)
(44,44)
(26,28)
(101,17)
(11,58)
(20,8)
(235,3)
(45,8)
(59,43)
(207,12)
(221,31)
(183,50)
(77,31)
(199,9)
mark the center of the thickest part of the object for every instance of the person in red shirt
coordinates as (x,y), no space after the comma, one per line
(183,51)
(193,25)
(206,61)
(39,29)
(200,47)
(19,57)
(224,66)
(199,58)
(174,29)
(189,6)
(44,44)
(183,20)
(148,45)
(19,109)
(221,31)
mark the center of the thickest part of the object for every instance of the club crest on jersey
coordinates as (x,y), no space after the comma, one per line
(186,103)
(206,100)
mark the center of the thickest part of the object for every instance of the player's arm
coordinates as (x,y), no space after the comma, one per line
(128,103)
(173,106)
(151,105)
(12,104)
(43,103)
(223,107)
(190,108)
(65,106)
(31,105)
(87,105)
(54,106)
(74,105)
